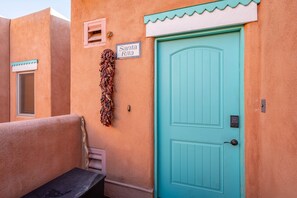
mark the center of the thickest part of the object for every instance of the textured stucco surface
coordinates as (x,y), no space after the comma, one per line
(32,42)
(34,152)
(4,69)
(46,38)
(252,90)
(270,72)
(60,66)
(272,136)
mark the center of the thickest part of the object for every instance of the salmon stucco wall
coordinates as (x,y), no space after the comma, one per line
(4,69)
(252,82)
(271,74)
(129,142)
(44,37)
(60,66)
(30,39)
(34,152)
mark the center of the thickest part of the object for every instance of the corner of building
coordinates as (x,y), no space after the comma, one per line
(60,63)
(30,40)
(42,37)
(4,69)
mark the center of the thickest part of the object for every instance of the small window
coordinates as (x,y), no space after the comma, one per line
(95,33)
(25,94)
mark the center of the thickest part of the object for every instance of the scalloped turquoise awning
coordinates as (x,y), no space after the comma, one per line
(199,9)
(34,61)
(28,65)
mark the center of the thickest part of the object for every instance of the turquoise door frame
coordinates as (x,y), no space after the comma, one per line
(239,29)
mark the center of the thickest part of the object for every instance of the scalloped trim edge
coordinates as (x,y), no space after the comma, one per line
(199,9)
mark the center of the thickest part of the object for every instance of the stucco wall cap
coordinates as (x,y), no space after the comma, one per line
(199,9)
(51,11)
(57,14)
(31,13)
(3,17)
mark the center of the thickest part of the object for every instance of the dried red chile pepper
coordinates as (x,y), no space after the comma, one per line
(107,71)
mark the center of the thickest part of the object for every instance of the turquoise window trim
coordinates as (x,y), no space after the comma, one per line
(199,9)
(24,62)
(239,29)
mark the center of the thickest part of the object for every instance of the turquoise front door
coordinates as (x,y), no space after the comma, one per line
(198,90)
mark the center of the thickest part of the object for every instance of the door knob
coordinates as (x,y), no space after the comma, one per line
(234,142)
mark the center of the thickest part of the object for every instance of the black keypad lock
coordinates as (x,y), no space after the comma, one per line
(234,121)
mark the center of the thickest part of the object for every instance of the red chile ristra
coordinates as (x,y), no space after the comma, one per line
(107,71)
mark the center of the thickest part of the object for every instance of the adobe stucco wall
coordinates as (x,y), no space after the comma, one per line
(34,152)
(4,69)
(270,72)
(44,37)
(60,66)
(30,39)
